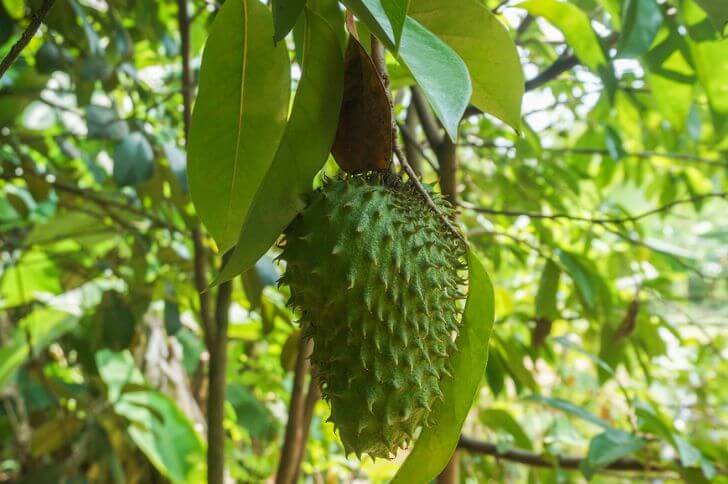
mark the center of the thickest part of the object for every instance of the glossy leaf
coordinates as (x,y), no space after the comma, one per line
(436,444)
(238,118)
(483,42)
(397,13)
(302,151)
(641,20)
(285,15)
(547,288)
(133,160)
(574,23)
(435,66)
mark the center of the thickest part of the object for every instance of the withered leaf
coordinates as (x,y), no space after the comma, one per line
(364,135)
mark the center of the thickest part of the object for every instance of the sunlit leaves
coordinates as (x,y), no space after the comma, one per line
(435,444)
(484,44)
(238,118)
(302,151)
(574,23)
(547,289)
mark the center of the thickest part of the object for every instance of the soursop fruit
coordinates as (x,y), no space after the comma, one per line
(376,277)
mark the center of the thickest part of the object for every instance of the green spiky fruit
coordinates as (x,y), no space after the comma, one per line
(374,274)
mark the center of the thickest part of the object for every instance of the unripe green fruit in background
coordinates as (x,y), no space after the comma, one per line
(375,275)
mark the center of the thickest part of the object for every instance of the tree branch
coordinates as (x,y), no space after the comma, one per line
(537,460)
(296,429)
(560,65)
(26,36)
(217,384)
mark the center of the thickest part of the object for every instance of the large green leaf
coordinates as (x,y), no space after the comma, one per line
(436,444)
(641,20)
(158,427)
(574,23)
(435,66)
(302,151)
(42,326)
(285,15)
(239,116)
(488,51)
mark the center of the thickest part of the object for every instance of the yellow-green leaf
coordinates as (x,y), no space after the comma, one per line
(482,41)
(238,118)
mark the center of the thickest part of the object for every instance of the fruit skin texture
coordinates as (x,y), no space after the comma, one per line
(375,276)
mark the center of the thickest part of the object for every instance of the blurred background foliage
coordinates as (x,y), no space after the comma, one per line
(603,221)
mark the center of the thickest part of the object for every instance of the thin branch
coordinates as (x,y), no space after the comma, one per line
(216,389)
(428,122)
(26,36)
(380,62)
(293,442)
(597,220)
(560,65)
(562,462)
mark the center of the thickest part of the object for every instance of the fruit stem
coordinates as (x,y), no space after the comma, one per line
(380,61)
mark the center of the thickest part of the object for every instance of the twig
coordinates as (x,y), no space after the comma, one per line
(216,389)
(379,59)
(563,462)
(560,65)
(598,220)
(25,37)
(293,441)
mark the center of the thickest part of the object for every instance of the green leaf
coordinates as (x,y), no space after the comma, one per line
(436,444)
(569,407)
(591,287)
(547,288)
(670,76)
(157,425)
(710,57)
(397,13)
(435,66)
(717,11)
(490,54)
(15,8)
(285,15)
(238,118)
(43,326)
(103,122)
(608,447)
(499,419)
(133,160)
(302,152)
(34,274)
(641,20)
(574,23)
